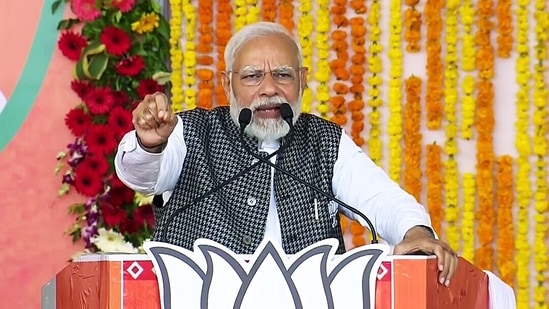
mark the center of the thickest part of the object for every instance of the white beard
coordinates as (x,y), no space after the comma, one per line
(265,129)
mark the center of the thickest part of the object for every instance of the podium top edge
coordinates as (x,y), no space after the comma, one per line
(120,257)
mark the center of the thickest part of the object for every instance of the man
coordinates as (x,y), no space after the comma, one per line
(184,156)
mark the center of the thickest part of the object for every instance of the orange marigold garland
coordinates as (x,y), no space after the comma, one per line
(268,10)
(504,28)
(412,24)
(204,48)
(412,137)
(222,35)
(505,243)
(339,64)
(434,94)
(286,10)
(485,126)
(434,186)
(358,60)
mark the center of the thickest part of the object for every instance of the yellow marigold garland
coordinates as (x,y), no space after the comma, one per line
(240,14)
(467,56)
(254,12)
(451,173)
(540,122)
(522,144)
(505,244)
(412,24)
(434,94)
(504,28)
(468,218)
(189,57)
(434,186)
(176,56)
(374,82)
(204,48)
(305,33)
(412,137)
(322,75)
(395,91)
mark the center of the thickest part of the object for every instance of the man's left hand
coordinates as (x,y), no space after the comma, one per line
(420,239)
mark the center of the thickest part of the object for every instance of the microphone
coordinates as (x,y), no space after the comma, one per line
(287,114)
(244,119)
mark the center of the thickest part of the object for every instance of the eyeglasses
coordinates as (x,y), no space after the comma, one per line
(282,76)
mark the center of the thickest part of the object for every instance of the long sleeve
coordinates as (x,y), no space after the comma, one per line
(359,182)
(151,173)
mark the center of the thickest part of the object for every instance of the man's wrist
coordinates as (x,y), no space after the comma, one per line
(152,149)
(420,230)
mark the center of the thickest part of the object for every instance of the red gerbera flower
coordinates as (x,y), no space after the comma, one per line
(112,216)
(87,181)
(98,163)
(115,182)
(120,120)
(100,139)
(148,86)
(131,66)
(123,5)
(117,41)
(144,214)
(78,121)
(99,100)
(120,98)
(81,88)
(71,45)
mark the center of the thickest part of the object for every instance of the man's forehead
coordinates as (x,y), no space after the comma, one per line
(265,68)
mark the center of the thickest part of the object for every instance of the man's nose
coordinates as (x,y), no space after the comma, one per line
(268,87)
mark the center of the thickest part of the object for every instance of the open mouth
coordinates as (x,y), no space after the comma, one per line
(268,111)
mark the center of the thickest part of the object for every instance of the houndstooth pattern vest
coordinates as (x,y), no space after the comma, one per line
(235,216)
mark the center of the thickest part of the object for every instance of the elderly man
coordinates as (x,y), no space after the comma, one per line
(192,159)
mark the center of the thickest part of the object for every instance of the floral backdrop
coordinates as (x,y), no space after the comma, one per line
(420,85)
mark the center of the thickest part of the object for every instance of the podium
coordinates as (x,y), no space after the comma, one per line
(129,281)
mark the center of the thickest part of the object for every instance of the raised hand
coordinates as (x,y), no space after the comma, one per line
(154,120)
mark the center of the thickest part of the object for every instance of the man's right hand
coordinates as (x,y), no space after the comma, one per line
(154,120)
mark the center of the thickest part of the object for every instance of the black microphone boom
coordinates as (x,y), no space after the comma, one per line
(288,117)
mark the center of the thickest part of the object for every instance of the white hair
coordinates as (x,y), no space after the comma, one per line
(253,31)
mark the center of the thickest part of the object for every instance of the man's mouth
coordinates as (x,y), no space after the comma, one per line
(268,111)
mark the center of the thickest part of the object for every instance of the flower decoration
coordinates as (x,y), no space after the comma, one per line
(119,47)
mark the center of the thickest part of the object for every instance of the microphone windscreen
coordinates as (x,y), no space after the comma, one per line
(245,117)
(286,112)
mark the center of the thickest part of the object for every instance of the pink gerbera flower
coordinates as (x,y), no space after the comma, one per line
(85,10)
(123,5)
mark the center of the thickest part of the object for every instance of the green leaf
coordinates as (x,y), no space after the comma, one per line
(64,189)
(76,209)
(156,6)
(164,28)
(117,17)
(55,5)
(79,71)
(67,23)
(97,66)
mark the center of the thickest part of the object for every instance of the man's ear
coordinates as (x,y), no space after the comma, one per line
(303,76)
(226,83)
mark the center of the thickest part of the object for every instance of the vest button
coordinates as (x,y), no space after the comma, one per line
(251,201)
(247,239)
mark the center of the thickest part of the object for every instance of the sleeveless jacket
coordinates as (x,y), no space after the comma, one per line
(235,215)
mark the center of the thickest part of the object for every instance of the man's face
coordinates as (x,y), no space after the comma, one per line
(266,74)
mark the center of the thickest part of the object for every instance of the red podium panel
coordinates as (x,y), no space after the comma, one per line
(127,281)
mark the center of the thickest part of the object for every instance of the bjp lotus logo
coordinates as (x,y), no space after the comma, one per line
(212,276)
